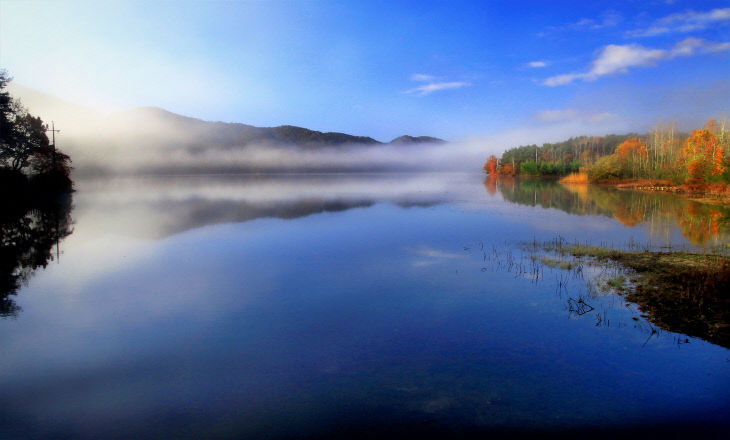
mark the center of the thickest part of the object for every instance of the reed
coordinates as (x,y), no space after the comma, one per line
(573,178)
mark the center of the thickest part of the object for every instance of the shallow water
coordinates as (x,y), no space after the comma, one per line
(289,306)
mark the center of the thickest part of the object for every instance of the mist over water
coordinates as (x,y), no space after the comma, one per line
(154,141)
(261,306)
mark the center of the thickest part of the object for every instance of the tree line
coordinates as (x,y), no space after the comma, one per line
(664,153)
(27,157)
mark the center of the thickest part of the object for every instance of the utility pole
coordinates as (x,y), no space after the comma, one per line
(53,136)
(54,131)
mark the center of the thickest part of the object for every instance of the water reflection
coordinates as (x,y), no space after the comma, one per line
(157,207)
(29,239)
(373,319)
(700,223)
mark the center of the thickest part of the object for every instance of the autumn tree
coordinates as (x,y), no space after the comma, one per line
(664,149)
(491,165)
(507,170)
(704,154)
(632,155)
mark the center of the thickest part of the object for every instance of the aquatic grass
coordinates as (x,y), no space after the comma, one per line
(680,291)
(617,282)
(585,284)
(562,264)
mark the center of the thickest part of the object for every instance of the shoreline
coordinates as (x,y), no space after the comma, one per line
(710,193)
(678,291)
(714,194)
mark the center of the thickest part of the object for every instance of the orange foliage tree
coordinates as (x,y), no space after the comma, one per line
(633,155)
(491,165)
(704,155)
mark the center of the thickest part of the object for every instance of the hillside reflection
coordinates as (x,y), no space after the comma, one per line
(155,208)
(700,223)
(29,238)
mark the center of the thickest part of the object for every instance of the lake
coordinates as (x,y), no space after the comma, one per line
(348,305)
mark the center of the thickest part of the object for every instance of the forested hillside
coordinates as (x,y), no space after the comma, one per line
(663,153)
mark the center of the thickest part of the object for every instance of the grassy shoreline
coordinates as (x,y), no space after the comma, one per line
(679,291)
(712,193)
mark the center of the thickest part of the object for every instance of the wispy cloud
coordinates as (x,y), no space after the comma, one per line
(615,59)
(432,85)
(536,64)
(607,20)
(684,22)
(422,77)
(574,115)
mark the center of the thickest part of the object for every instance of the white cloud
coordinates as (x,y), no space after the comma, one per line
(616,58)
(435,87)
(684,22)
(620,58)
(573,115)
(421,77)
(536,64)
(559,80)
(431,86)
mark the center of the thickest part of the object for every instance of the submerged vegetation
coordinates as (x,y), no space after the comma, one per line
(674,290)
(679,291)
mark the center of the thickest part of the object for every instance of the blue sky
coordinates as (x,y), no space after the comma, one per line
(448,69)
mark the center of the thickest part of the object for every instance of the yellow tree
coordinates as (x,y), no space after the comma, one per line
(633,154)
(704,154)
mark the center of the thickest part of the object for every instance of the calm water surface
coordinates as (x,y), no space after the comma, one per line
(295,306)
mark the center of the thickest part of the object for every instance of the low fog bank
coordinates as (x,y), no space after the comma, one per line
(281,158)
(154,141)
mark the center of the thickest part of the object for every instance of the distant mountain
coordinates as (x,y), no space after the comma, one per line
(417,140)
(231,134)
(204,133)
(152,139)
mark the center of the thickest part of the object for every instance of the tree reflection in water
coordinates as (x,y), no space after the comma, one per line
(29,238)
(700,223)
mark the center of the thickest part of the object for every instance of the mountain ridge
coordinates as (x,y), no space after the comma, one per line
(228,134)
(156,141)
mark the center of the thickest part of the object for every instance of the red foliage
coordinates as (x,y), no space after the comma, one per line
(704,154)
(491,165)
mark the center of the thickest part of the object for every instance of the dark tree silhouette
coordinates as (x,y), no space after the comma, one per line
(28,136)
(26,155)
(6,112)
(29,233)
